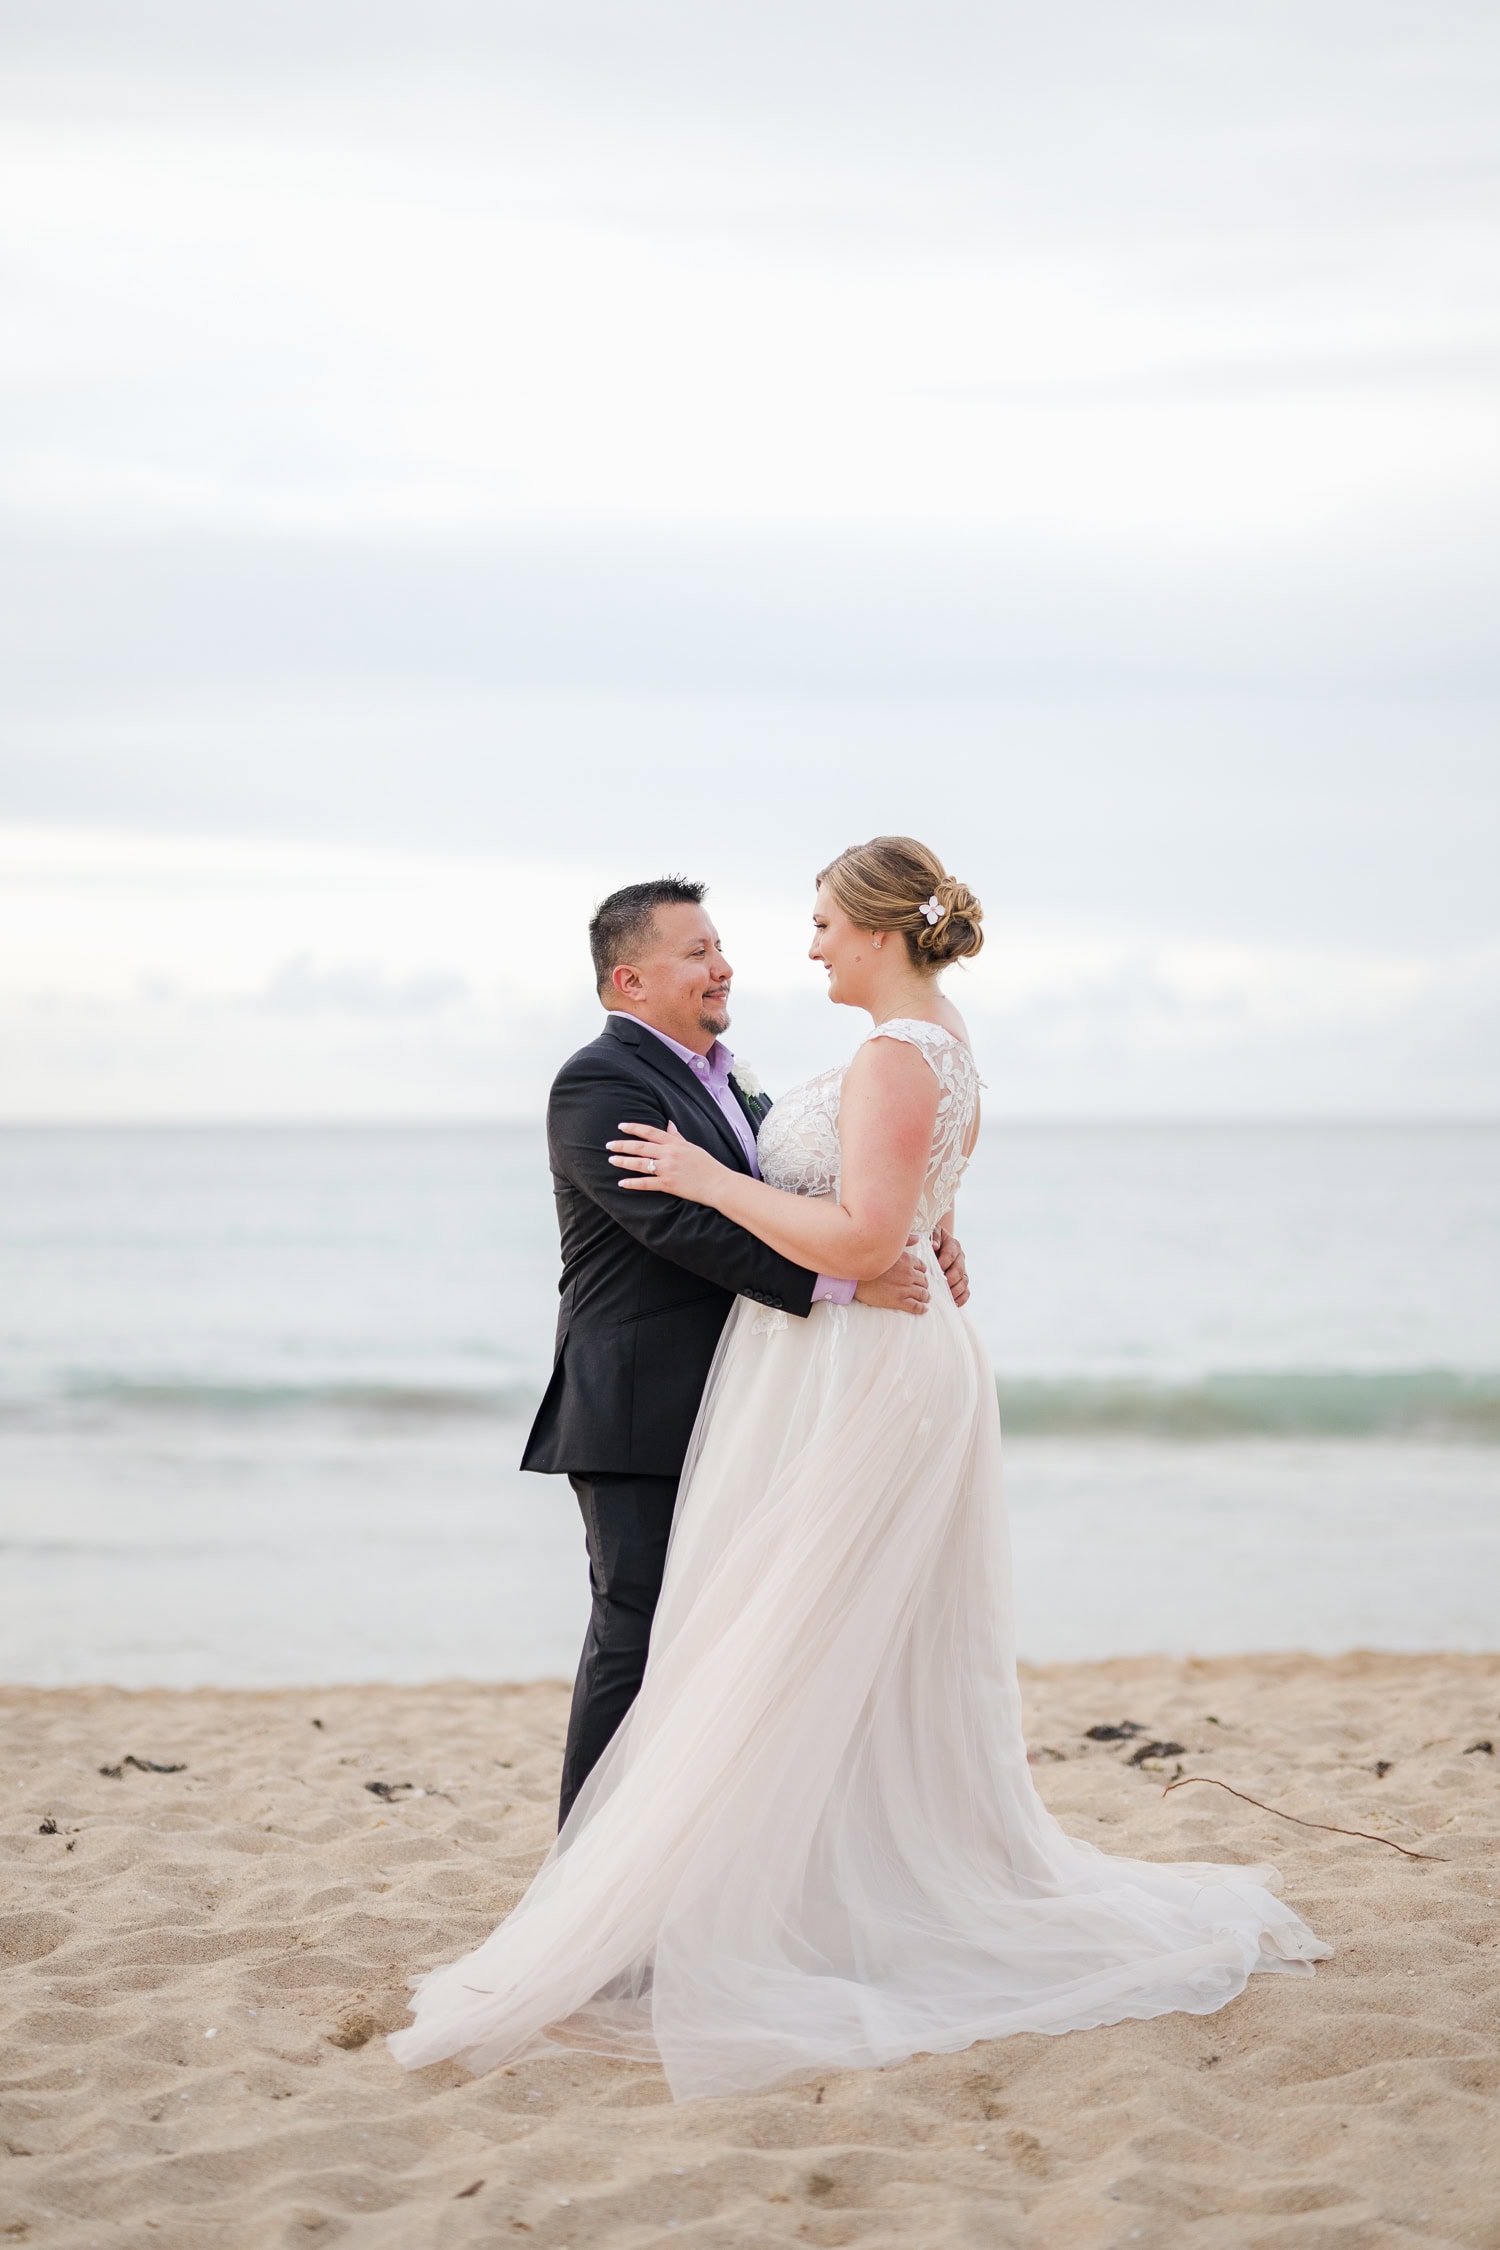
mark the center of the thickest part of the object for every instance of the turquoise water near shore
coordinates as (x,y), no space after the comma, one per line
(258,1386)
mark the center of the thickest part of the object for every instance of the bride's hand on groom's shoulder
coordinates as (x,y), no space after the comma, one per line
(665,1162)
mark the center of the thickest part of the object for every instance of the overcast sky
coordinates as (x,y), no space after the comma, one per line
(459,458)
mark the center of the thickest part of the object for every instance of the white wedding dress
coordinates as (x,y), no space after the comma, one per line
(814,1844)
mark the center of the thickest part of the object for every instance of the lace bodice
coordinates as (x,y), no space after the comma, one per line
(799,1141)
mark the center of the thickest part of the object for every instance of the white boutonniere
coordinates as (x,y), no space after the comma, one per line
(747,1082)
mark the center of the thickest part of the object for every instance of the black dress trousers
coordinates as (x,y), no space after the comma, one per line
(628,1521)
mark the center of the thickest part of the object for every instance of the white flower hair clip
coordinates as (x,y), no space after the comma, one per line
(933,911)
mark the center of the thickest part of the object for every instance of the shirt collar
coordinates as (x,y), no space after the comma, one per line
(713,1068)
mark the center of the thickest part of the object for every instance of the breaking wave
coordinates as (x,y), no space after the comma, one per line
(1434,1403)
(1419,1402)
(99,1396)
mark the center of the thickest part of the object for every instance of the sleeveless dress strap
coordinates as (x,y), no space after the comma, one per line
(928,1038)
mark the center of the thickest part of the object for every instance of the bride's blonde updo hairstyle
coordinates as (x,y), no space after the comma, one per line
(891,883)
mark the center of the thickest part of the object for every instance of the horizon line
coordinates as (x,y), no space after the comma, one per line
(1064,1119)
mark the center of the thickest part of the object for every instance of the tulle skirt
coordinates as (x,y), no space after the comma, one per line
(815,1844)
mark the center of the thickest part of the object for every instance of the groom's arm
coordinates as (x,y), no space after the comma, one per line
(586,1110)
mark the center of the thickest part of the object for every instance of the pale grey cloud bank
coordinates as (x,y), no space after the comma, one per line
(454,449)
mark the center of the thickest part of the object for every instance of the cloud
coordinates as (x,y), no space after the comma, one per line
(161,977)
(304,986)
(1440,367)
(458,459)
(670,265)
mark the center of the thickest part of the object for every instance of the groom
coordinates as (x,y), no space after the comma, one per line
(648,1281)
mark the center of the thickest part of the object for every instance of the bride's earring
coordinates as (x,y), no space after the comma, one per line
(878,940)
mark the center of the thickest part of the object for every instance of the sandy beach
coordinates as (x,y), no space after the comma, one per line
(199,1963)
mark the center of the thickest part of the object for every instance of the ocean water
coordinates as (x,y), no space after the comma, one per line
(262,1393)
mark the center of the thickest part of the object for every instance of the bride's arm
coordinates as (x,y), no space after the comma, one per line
(886,1117)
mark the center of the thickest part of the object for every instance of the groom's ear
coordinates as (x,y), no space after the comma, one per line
(626,981)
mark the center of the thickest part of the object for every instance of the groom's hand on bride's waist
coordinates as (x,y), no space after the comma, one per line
(950,1256)
(901,1288)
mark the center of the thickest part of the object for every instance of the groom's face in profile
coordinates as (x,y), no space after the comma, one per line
(679,979)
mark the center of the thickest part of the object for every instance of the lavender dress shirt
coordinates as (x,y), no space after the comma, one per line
(713,1071)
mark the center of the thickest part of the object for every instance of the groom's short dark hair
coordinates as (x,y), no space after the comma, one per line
(623,920)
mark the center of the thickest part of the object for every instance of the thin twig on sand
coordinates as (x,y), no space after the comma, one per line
(1189,1778)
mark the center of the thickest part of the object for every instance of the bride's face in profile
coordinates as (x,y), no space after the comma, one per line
(848,954)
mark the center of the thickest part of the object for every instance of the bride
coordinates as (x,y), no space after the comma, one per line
(814,1843)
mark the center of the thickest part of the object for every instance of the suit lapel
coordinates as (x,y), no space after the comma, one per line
(754,1106)
(658,1057)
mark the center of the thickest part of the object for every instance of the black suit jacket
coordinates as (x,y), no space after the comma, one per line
(648,1280)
